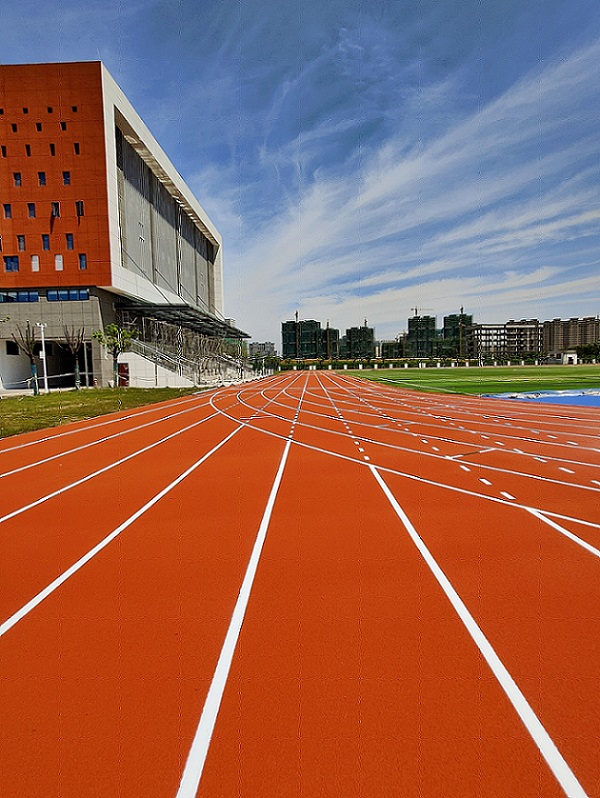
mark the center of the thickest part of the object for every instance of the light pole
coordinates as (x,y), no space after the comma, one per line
(41,325)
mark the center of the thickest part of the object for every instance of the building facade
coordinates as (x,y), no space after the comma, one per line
(97,226)
(559,335)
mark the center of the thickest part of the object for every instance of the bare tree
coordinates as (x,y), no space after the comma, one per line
(73,342)
(26,343)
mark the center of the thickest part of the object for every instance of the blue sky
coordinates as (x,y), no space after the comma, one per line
(364,158)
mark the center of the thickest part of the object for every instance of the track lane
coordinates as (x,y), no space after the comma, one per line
(120,658)
(338,686)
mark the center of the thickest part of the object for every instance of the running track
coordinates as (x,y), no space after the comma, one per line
(310,586)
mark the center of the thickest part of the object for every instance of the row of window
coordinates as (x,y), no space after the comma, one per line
(54,209)
(11,262)
(49,108)
(52,295)
(18,178)
(21,244)
(52,148)
(38,126)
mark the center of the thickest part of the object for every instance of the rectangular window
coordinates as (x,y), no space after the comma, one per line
(56,209)
(11,263)
(52,296)
(69,238)
(7,211)
(28,150)
(14,128)
(50,110)
(74,294)
(1,111)
(63,125)
(74,109)
(79,207)
(63,296)
(12,348)
(0,243)
(31,210)
(3,151)
(66,178)
(82,262)
(18,178)
(52,149)
(42,178)
(21,243)
(8,296)
(38,126)
(35,263)
(45,242)
(58,263)
(76,148)
(25,110)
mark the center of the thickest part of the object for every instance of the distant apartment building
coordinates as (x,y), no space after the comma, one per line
(455,334)
(257,350)
(512,339)
(359,343)
(422,338)
(560,335)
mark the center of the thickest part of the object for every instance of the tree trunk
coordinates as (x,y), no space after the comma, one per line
(34,379)
(77,375)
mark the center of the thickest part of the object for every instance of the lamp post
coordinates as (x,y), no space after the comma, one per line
(41,325)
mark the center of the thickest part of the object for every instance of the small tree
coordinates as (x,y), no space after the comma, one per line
(74,341)
(26,343)
(116,339)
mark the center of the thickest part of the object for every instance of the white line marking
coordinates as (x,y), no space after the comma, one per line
(33,603)
(506,495)
(595,482)
(485,481)
(192,773)
(100,440)
(565,532)
(464,468)
(566,470)
(103,470)
(557,764)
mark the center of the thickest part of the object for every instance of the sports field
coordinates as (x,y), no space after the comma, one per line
(488,379)
(311,586)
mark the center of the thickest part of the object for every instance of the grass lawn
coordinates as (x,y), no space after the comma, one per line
(27,413)
(489,379)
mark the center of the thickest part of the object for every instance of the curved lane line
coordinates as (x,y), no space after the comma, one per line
(103,470)
(56,583)
(555,760)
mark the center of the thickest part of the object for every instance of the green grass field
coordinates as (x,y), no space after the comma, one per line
(489,379)
(28,413)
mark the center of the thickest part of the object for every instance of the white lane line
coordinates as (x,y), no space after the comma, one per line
(101,440)
(563,531)
(465,468)
(596,482)
(57,435)
(557,764)
(56,583)
(485,481)
(103,470)
(192,772)
(566,470)
(507,495)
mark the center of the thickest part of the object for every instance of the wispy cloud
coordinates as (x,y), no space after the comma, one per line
(487,200)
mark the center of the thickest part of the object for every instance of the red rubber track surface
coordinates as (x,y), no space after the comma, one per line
(406,536)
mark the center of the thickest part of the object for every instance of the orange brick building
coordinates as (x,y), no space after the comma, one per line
(96,226)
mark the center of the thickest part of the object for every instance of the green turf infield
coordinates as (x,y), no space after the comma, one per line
(28,413)
(487,379)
